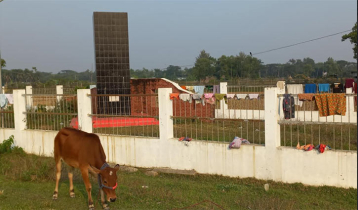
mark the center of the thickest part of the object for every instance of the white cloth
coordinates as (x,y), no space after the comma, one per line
(280,84)
(230,95)
(185,97)
(252,96)
(295,89)
(241,96)
(10,98)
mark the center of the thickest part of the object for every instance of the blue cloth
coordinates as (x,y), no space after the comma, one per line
(323,88)
(199,89)
(3,100)
(310,88)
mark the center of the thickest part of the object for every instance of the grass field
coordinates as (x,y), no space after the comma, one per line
(27,182)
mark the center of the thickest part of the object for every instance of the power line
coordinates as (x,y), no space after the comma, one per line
(302,42)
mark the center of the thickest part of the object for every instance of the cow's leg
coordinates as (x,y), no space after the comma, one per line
(70,177)
(103,201)
(84,171)
(58,175)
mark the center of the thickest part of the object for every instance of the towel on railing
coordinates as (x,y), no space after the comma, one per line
(230,95)
(349,83)
(254,96)
(280,84)
(185,97)
(190,88)
(337,87)
(198,98)
(183,87)
(310,88)
(295,89)
(331,104)
(209,98)
(199,89)
(216,89)
(174,95)
(241,96)
(306,96)
(323,88)
(10,98)
(219,97)
(3,100)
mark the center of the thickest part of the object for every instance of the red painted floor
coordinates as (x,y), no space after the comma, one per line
(117,122)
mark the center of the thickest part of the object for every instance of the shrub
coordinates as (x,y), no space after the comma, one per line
(8,146)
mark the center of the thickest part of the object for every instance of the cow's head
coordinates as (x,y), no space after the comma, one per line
(108,181)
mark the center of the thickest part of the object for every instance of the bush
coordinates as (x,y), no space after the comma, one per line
(8,146)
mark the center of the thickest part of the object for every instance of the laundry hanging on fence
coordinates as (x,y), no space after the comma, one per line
(241,96)
(280,84)
(254,96)
(189,88)
(349,83)
(230,95)
(306,96)
(210,88)
(337,87)
(307,147)
(288,106)
(331,104)
(216,89)
(185,97)
(3,100)
(323,88)
(209,98)
(198,99)
(295,89)
(322,147)
(310,88)
(183,87)
(10,98)
(174,95)
(219,97)
(199,89)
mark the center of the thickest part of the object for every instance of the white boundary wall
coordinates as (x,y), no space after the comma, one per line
(269,162)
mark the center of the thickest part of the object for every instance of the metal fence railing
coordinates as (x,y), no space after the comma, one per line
(126,115)
(7,117)
(50,111)
(205,118)
(328,119)
(247,89)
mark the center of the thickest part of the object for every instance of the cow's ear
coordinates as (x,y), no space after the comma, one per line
(116,167)
(94,169)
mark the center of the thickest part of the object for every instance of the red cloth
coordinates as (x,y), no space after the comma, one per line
(174,95)
(349,83)
(322,147)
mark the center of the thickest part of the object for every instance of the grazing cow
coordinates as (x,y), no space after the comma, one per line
(84,151)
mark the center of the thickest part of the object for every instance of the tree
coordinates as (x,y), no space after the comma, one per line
(3,63)
(204,66)
(353,39)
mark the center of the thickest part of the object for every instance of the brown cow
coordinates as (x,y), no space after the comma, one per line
(84,151)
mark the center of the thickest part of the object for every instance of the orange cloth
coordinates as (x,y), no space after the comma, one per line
(174,95)
(306,97)
(184,87)
(331,104)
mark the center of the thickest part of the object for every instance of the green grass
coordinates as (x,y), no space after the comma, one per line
(166,191)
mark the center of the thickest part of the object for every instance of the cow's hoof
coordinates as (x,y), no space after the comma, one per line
(105,207)
(55,196)
(91,207)
(72,193)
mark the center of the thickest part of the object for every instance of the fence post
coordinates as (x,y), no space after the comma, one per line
(59,91)
(350,105)
(272,128)
(84,109)
(19,109)
(29,99)
(165,111)
(223,87)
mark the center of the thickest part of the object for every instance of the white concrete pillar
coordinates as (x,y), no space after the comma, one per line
(281,90)
(84,109)
(223,87)
(29,99)
(272,128)
(59,91)
(352,116)
(19,109)
(165,111)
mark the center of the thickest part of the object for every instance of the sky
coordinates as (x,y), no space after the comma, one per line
(54,35)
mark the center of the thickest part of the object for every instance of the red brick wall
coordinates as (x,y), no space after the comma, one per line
(148,105)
